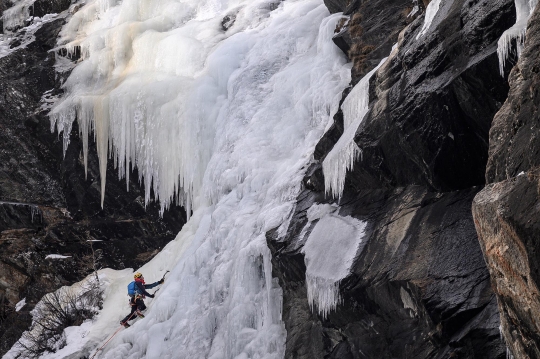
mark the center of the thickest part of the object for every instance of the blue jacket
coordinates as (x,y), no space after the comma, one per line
(141,288)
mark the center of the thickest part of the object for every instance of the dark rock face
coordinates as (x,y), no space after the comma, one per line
(434,102)
(506,211)
(514,144)
(47,206)
(419,286)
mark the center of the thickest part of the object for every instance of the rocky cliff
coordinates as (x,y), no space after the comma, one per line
(506,210)
(441,124)
(419,286)
(47,205)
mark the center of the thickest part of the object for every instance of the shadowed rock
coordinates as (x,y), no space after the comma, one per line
(506,212)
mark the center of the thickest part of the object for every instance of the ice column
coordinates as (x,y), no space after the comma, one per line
(345,152)
(524,10)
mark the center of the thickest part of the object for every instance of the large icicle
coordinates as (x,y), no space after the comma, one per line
(524,10)
(345,152)
(237,120)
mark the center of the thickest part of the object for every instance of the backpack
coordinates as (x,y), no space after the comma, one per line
(132,289)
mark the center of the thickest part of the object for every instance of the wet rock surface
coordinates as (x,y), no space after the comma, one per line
(47,205)
(419,287)
(506,211)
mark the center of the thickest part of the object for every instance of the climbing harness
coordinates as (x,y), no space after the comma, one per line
(135,312)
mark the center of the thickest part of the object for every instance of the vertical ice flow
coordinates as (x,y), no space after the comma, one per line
(226,120)
(431,11)
(345,152)
(524,10)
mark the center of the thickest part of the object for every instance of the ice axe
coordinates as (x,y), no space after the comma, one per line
(162,278)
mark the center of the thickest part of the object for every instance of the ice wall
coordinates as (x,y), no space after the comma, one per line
(524,10)
(345,152)
(228,121)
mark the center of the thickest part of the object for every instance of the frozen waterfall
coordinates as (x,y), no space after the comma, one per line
(345,152)
(524,10)
(222,116)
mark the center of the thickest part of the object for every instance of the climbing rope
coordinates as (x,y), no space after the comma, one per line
(118,330)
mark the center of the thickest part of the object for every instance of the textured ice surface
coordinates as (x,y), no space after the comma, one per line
(431,11)
(24,35)
(228,121)
(155,81)
(524,10)
(16,15)
(345,152)
(329,251)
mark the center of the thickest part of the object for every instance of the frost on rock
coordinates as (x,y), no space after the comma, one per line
(346,152)
(224,121)
(15,16)
(524,10)
(15,34)
(431,11)
(330,250)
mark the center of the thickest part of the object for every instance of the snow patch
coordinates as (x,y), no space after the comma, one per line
(56,256)
(20,305)
(431,11)
(330,250)
(408,302)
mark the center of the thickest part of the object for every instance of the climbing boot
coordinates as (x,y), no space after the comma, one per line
(125,324)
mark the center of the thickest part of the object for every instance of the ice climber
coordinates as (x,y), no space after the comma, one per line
(137,292)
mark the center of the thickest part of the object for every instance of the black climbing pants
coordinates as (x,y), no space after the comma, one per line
(136,304)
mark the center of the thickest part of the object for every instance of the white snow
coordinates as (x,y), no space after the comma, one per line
(77,339)
(524,10)
(330,250)
(346,152)
(56,256)
(227,122)
(20,305)
(431,11)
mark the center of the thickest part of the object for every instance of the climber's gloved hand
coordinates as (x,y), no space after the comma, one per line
(151,296)
(161,281)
